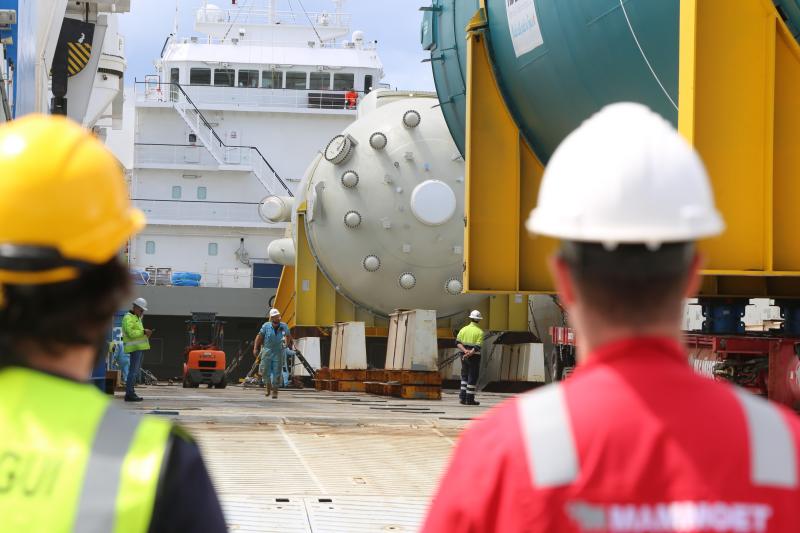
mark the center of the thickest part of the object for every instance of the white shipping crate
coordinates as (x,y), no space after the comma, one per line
(412,343)
(309,347)
(508,367)
(348,346)
(523,362)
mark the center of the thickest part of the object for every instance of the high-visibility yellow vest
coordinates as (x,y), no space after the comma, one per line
(70,462)
(470,335)
(133,336)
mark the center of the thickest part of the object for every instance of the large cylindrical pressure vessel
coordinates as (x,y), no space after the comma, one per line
(557,62)
(443,31)
(385,208)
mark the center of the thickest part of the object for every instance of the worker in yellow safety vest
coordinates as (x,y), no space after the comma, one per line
(136,340)
(469,341)
(69,461)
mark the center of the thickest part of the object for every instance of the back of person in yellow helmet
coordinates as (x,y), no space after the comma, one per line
(69,460)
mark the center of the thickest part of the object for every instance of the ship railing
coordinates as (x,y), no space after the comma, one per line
(324,99)
(200,211)
(234,40)
(224,153)
(249,15)
(223,277)
(206,95)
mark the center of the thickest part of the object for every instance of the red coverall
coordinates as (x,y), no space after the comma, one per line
(633,442)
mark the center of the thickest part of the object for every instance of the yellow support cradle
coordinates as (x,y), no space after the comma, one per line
(739,104)
(739,93)
(502,184)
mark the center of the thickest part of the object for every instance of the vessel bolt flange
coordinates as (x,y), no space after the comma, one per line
(453,286)
(378,140)
(371,263)
(407,280)
(411,118)
(350,179)
(352,219)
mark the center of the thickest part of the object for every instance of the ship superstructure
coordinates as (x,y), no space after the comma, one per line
(233,115)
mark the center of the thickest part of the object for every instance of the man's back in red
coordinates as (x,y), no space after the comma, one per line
(634,441)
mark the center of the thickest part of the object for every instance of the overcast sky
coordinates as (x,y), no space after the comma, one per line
(395,24)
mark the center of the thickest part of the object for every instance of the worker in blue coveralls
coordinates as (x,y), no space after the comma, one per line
(271,344)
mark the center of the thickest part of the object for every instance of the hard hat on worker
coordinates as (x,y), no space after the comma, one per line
(141,303)
(63,201)
(625,176)
(476,315)
(274,312)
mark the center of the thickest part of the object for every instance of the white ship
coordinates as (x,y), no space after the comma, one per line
(229,118)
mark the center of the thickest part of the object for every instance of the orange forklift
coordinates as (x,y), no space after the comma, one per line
(204,359)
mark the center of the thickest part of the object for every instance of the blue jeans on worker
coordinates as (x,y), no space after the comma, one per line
(272,366)
(133,373)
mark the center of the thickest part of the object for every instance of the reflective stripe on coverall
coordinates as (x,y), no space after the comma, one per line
(634,441)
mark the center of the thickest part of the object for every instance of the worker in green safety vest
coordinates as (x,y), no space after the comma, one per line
(136,340)
(69,460)
(469,341)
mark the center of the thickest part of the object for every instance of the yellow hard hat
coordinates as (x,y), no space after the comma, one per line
(63,201)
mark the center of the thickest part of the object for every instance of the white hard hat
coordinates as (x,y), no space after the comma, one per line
(274,312)
(140,303)
(476,315)
(625,176)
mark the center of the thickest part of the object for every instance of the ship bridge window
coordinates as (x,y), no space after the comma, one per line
(248,78)
(271,79)
(150,247)
(343,82)
(367,83)
(296,80)
(320,81)
(223,77)
(200,76)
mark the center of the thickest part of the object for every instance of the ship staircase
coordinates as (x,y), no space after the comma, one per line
(226,154)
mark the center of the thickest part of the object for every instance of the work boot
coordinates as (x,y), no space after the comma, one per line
(275,393)
(472,401)
(462,401)
(133,399)
(269,390)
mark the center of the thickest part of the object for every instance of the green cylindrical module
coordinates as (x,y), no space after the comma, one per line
(444,35)
(559,61)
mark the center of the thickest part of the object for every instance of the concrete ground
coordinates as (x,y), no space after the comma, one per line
(318,461)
